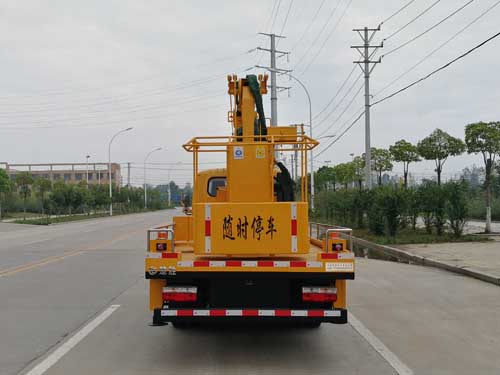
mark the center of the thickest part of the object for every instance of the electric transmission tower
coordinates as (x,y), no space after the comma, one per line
(367,51)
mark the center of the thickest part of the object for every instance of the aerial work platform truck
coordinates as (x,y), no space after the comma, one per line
(247,251)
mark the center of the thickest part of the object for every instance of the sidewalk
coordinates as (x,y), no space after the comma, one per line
(475,259)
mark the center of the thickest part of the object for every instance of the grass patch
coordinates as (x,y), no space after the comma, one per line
(59,219)
(20,215)
(407,237)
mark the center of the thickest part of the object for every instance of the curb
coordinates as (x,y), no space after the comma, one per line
(411,258)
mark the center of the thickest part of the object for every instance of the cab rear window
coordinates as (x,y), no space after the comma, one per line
(214,183)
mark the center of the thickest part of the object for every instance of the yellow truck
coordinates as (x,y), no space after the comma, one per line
(246,251)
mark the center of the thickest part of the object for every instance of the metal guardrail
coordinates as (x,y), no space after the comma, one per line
(319,231)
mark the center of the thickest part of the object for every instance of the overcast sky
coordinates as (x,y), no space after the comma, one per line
(76,72)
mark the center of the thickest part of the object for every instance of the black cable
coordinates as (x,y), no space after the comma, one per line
(428,30)
(413,19)
(437,70)
(437,49)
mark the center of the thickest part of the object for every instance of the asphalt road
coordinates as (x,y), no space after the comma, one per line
(73,301)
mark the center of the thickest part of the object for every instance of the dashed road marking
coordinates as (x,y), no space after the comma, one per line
(379,347)
(37,241)
(63,349)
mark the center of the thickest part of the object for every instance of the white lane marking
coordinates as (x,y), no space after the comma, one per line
(37,241)
(381,349)
(62,350)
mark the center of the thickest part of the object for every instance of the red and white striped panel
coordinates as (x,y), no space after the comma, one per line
(208,229)
(282,313)
(250,264)
(162,255)
(293,208)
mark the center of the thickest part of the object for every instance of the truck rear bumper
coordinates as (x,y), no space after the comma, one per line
(336,316)
(255,275)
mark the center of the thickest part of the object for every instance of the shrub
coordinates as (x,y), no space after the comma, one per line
(393,206)
(456,206)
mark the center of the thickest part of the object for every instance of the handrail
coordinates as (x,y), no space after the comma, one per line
(329,228)
(206,142)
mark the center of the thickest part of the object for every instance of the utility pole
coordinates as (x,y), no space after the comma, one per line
(367,51)
(128,174)
(273,70)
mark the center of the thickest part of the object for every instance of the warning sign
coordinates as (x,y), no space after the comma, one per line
(260,153)
(238,153)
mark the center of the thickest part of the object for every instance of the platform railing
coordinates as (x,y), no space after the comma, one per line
(319,231)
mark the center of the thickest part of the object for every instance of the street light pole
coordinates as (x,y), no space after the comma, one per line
(311,157)
(110,175)
(145,185)
(87,166)
(168,178)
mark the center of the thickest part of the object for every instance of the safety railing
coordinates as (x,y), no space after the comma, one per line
(320,231)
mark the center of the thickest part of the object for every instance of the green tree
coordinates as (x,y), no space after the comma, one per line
(484,138)
(438,146)
(344,173)
(24,180)
(358,165)
(381,162)
(456,206)
(4,188)
(325,178)
(406,153)
(41,187)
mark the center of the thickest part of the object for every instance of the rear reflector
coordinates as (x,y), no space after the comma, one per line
(170,255)
(319,294)
(180,293)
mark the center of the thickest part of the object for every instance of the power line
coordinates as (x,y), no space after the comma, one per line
(327,38)
(438,48)
(286,18)
(92,89)
(106,123)
(413,19)
(409,86)
(341,134)
(342,99)
(330,17)
(275,15)
(337,93)
(306,30)
(344,111)
(437,70)
(397,12)
(428,30)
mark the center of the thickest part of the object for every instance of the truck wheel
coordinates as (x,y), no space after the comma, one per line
(157,320)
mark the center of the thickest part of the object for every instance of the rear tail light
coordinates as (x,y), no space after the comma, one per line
(319,294)
(180,293)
